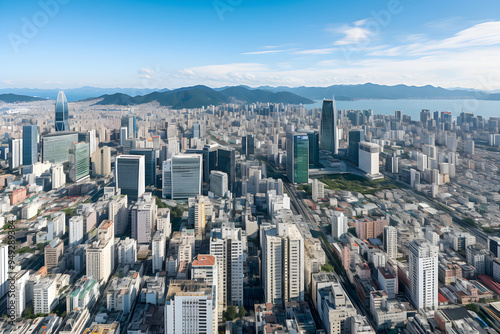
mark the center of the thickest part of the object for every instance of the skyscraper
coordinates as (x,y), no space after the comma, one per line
(79,161)
(4,269)
(129,175)
(423,258)
(62,112)
(391,241)
(339,224)
(182,175)
(100,253)
(328,128)
(355,137)
(297,157)
(101,161)
(56,146)
(218,183)
(209,160)
(30,144)
(130,123)
(15,153)
(226,162)
(369,157)
(143,218)
(204,270)
(248,145)
(150,164)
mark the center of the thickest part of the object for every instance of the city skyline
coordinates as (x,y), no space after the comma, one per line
(395,42)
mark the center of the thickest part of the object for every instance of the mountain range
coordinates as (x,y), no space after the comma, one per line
(198,96)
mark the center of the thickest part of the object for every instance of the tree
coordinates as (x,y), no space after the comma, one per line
(230,313)
(242,312)
(472,307)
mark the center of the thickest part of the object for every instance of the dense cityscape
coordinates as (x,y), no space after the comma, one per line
(262,218)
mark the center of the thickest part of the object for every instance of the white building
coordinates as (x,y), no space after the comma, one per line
(163,223)
(4,270)
(118,213)
(391,241)
(20,280)
(218,183)
(204,269)
(182,176)
(469,147)
(158,251)
(75,230)
(283,264)
(423,258)
(127,251)
(339,224)
(58,176)
(143,218)
(369,157)
(318,190)
(56,226)
(189,308)
(44,296)
(15,153)
(100,253)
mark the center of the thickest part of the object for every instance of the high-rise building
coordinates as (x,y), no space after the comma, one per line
(118,212)
(123,135)
(226,162)
(196,214)
(248,145)
(494,245)
(30,144)
(313,148)
(158,251)
(53,253)
(189,308)
(209,160)
(56,146)
(15,153)
(469,147)
(101,254)
(283,264)
(355,137)
(328,129)
(127,251)
(101,161)
(182,176)
(297,157)
(79,162)
(218,183)
(423,258)
(130,175)
(20,298)
(90,138)
(75,230)
(204,270)
(391,241)
(197,130)
(4,269)
(339,224)
(130,123)
(44,296)
(226,244)
(57,176)
(143,218)
(369,157)
(62,113)
(150,164)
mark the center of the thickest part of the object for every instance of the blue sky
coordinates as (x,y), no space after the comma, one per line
(170,44)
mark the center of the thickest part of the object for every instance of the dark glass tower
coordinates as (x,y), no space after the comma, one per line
(149,164)
(297,157)
(226,162)
(130,123)
(62,112)
(355,137)
(248,145)
(30,144)
(328,129)
(209,160)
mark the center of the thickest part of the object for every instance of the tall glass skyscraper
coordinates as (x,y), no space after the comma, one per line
(226,162)
(182,175)
(79,161)
(130,123)
(30,144)
(328,129)
(209,160)
(355,137)
(129,175)
(62,112)
(248,145)
(313,147)
(150,164)
(297,157)
(55,146)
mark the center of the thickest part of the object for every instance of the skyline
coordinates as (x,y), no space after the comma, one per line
(154,44)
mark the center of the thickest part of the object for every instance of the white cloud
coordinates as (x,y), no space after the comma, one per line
(316,51)
(353,34)
(263,52)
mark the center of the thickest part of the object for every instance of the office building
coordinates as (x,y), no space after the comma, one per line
(355,137)
(189,308)
(297,157)
(248,145)
(130,123)
(209,160)
(79,162)
(226,244)
(100,253)
(127,251)
(130,175)
(196,215)
(56,146)
(226,162)
(328,127)
(30,144)
(53,253)
(57,175)
(118,212)
(469,147)
(218,183)
(369,158)
(75,230)
(15,153)
(182,176)
(494,245)
(90,138)
(150,164)
(313,137)
(123,135)
(143,218)
(101,161)
(158,251)
(44,296)
(423,259)
(318,190)
(339,224)
(283,264)
(62,115)
(391,241)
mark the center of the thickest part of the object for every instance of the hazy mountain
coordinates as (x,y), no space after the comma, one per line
(373,91)
(11,98)
(199,96)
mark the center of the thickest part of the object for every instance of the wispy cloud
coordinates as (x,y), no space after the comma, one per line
(262,52)
(354,33)
(316,51)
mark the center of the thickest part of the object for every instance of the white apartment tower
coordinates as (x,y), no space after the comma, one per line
(423,258)
(391,241)
(100,253)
